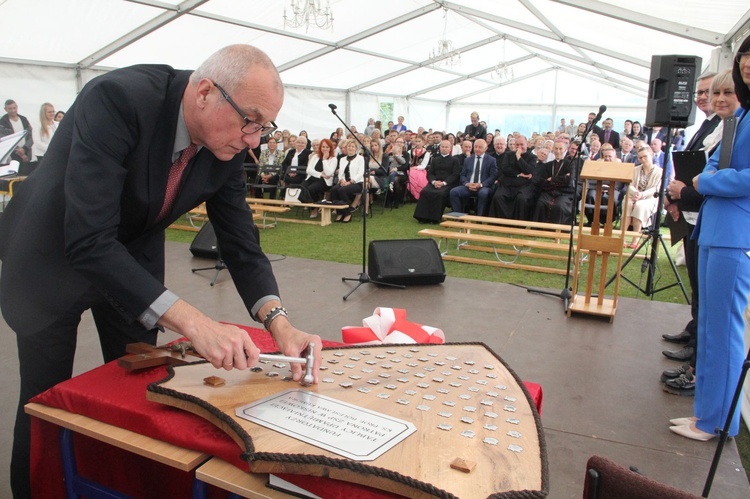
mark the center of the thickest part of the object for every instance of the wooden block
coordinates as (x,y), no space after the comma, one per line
(214,381)
(461,464)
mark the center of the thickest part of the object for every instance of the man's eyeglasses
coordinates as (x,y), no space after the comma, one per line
(699,93)
(250,127)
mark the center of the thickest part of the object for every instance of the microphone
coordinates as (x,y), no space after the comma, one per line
(602,110)
(333,108)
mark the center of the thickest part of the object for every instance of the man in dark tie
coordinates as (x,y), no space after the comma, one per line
(607,135)
(682,203)
(477,179)
(87,230)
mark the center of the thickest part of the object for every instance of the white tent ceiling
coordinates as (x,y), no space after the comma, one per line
(566,54)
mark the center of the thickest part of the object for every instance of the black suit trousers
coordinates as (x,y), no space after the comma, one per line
(46,359)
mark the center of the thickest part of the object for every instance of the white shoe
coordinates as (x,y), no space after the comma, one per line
(693,433)
(682,421)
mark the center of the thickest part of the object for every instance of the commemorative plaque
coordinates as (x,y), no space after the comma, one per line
(344,429)
(390,417)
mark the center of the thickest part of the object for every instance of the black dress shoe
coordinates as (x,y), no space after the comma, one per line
(681,355)
(684,385)
(675,373)
(682,337)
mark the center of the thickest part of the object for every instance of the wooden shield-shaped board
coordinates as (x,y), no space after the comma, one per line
(465,403)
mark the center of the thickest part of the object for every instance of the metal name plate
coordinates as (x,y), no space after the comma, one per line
(344,429)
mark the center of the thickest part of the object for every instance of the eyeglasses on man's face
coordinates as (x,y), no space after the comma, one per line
(701,93)
(250,127)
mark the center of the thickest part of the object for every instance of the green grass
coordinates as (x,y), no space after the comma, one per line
(343,243)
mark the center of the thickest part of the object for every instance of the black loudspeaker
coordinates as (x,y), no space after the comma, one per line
(204,245)
(405,262)
(670,92)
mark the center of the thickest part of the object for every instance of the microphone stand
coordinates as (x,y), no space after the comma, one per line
(363,277)
(567,292)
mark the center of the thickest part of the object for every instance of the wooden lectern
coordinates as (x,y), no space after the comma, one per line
(602,241)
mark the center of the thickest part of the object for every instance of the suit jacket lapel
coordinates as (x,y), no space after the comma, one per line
(160,153)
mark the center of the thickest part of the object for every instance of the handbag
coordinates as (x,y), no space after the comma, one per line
(291,194)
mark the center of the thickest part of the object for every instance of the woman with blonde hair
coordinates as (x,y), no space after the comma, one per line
(643,192)
(47,128)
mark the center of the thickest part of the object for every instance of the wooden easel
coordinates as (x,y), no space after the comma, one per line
(602,241)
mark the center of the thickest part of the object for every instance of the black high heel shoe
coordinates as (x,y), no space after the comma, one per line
(347,219)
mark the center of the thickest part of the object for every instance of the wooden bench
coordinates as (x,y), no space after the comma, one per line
(198,215)
(325,210)
(499,236)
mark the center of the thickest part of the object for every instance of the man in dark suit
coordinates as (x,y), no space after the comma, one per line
(555,180)
(86,230)
(682,203)
(477,179)
(516,193)
(475,130)
(596,128)
(607,135)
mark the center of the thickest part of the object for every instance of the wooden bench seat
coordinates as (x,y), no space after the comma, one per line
(198,215)
(499,236)
(508,246)
(326,210)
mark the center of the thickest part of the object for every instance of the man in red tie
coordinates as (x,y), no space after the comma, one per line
(139,147)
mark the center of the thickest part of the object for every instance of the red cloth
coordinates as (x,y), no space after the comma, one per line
(115,396)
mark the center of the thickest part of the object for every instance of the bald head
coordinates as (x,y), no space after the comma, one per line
(229,67)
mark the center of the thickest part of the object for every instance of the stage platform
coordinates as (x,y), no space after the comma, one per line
(601,381)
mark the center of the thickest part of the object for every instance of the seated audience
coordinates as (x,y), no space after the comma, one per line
(477,179)
(607,154)
(295,162)
(516,193)
(351,168)
(555,180)
(442,175)
(499,146)
(398,168)
(626,154)
(643,192)
(466,147)
(637,133)
(321,168)
(270,156)
(420,158)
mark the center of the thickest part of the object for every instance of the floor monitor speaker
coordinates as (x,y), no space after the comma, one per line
(405,262)
(204,245)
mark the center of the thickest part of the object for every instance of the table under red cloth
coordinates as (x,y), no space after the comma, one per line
(115,396)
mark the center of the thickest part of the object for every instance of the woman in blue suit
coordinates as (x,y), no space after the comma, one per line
(723,273)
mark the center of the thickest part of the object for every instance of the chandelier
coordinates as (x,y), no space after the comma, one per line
(309,12)
(502,72)
(445,54)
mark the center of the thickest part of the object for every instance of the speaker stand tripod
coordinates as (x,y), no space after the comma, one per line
(218,267)
(653,235)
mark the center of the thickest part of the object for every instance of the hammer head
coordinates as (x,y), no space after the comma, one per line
(309,361)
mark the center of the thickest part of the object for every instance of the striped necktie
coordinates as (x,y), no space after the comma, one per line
(175,176)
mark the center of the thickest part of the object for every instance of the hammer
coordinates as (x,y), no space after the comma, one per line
(308,361)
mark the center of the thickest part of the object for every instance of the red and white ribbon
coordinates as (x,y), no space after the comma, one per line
(389,325)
